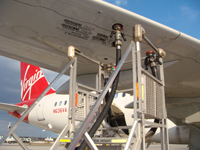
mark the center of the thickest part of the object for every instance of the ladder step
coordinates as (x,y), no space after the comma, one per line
(99,140)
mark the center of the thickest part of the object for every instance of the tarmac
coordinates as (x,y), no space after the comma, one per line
(48,146)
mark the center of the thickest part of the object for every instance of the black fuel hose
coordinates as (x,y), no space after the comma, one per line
(152,131)
(111,119)
(107,106)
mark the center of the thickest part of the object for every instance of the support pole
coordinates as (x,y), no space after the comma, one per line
(164,131)
(70,108)
(89,141)
(71,122)
(139,99)
(131,135)
(72,95)
(57,142)
(138,31)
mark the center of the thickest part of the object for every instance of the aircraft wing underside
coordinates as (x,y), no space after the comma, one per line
(27,26)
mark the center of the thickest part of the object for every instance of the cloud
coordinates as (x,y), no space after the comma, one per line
(190,14)
(120,2)
(117,2)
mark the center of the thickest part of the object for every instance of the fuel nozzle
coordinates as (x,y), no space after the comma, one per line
(151,60)
(117,28)
(153,57)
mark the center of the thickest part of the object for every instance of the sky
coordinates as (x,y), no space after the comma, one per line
(182,15)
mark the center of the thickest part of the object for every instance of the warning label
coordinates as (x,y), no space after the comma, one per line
(79,30)
(103,39)
(76,29)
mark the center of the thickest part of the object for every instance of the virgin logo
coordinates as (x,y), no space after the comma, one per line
(28,83)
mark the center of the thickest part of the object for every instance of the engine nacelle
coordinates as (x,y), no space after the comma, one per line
(177,135)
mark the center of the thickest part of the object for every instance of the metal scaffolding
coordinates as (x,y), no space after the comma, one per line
(84,105)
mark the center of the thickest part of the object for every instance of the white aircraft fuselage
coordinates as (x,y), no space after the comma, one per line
(51,113)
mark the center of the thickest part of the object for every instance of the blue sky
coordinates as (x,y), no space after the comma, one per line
(182,15)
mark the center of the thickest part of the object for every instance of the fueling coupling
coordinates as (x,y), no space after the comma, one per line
(152,59)
(108,69)
(118,35)
(153,56)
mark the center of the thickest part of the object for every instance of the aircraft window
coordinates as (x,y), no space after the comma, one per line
(123,94)
(65,103)
(60,103)
(116,95)
(55,104)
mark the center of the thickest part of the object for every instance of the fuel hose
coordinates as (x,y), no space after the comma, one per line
(108,103)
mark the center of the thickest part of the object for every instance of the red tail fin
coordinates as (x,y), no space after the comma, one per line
(33,82)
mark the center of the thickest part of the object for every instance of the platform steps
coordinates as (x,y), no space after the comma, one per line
(118,141)
(105,143)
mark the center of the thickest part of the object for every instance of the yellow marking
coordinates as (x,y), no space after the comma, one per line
(142,92)
(118,141)
(65,140)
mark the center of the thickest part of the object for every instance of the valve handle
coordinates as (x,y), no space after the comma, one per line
(123,36)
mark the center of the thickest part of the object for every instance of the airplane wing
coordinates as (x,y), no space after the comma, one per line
(39,32)
(27,26)
(11,107)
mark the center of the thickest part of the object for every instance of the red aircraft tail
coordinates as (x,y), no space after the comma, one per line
(33,82)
